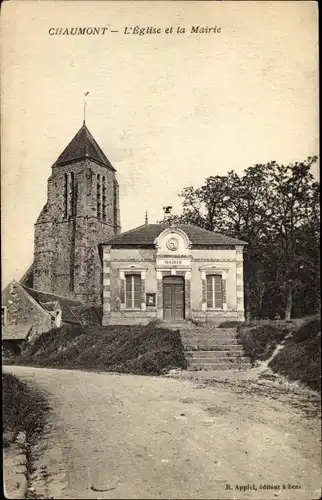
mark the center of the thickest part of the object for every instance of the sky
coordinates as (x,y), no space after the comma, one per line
(168,109)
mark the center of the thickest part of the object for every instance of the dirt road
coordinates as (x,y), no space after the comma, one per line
(151,437)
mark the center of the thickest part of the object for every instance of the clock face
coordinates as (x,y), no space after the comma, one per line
(172,244)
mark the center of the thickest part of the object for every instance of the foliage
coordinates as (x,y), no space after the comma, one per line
(274,208)
(259,342)
(301,357)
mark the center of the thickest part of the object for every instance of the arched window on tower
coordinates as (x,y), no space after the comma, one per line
(72,195)
(115,203)
(66,195)
(104,201)
(98,197)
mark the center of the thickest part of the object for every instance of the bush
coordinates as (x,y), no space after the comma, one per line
(308,330)
(229,324)
(260,341)
(128,349)
(301,357)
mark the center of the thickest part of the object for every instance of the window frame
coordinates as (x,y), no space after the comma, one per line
(134,299)
(213,277)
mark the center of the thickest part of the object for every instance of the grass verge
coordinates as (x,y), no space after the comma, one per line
(299,359)
(128,349)
(24,409)
(260,341)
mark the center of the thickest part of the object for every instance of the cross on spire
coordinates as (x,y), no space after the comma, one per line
(146,217)
(85,104)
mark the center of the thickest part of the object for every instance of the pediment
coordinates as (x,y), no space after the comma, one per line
(173,242)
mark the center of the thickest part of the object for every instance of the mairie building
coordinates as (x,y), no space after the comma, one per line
(172,274)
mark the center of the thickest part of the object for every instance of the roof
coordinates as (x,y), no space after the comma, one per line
(16,332)
(27,278)
(146,234)
(51,306)
(83,146)
(70,308)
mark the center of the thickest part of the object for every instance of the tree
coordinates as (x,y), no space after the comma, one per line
(272,207)
(290,197)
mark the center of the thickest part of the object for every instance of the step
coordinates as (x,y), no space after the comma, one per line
(208,335)
(219,331)
(223,347)
(224,359)
(206,348)
(214,354)
(211,343)
(219,366)
(221,361)
(174,326)
(208,331)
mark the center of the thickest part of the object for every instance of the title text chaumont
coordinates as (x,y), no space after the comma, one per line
(132,30)
(89,30)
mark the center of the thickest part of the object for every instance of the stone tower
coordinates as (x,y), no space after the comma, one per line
(82,210)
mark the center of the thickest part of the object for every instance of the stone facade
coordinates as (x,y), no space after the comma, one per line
(82,210)
(192,263)
(20,310)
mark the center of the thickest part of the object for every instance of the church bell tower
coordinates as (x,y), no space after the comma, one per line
(82,210)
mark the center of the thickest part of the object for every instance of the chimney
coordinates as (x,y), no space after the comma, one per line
(167,210)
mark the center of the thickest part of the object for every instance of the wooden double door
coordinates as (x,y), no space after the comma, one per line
(173,298)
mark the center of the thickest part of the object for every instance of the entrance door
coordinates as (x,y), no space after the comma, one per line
(173,297)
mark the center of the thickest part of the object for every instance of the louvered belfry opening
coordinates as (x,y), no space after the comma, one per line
(70,195)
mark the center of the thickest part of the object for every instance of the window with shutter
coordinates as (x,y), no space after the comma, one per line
(133,291)
(214,291)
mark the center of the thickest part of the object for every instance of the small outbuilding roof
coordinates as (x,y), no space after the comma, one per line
(146,234)
(70,309)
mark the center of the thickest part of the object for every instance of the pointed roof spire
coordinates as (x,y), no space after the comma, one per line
(146,217)
(83,146)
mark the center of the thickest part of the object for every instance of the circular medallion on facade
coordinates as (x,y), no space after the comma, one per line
(172,244)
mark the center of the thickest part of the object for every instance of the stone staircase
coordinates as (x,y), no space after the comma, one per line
(212,348)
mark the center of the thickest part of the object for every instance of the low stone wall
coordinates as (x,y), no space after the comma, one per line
(129,318)
(217,317)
